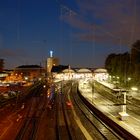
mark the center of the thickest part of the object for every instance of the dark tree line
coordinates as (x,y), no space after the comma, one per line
(126,65)
(1,64)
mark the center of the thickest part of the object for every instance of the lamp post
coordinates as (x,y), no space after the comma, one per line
(124,101)
(123,115)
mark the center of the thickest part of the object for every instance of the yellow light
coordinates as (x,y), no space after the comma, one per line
(129,78)
(134,88)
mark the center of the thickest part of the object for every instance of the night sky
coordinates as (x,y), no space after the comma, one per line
(80,32)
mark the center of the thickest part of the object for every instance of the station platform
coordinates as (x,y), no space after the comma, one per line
(131,123)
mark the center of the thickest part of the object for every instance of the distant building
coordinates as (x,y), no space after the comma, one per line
(84,73)
(1,65)
(101,74)
(51,61)
(29,72)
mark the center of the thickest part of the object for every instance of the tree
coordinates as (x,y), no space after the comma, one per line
(109,63)
(135,52)
(135,62)
(125,65)
(118,65)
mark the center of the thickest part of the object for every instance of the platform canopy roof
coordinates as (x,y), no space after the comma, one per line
(68,71)
(101,70)
(84,71)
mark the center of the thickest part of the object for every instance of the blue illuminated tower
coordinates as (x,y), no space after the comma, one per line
(51,61)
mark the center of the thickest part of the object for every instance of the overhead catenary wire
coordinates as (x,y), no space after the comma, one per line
(69,12)
(65,11)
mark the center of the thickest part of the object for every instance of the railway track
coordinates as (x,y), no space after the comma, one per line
(63,128)
(104,132)
(96,128)
(30,124)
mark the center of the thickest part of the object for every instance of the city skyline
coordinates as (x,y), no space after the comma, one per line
(80,33)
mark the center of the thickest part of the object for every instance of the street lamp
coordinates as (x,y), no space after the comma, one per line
(26,78)
(128,82)
(129,78)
